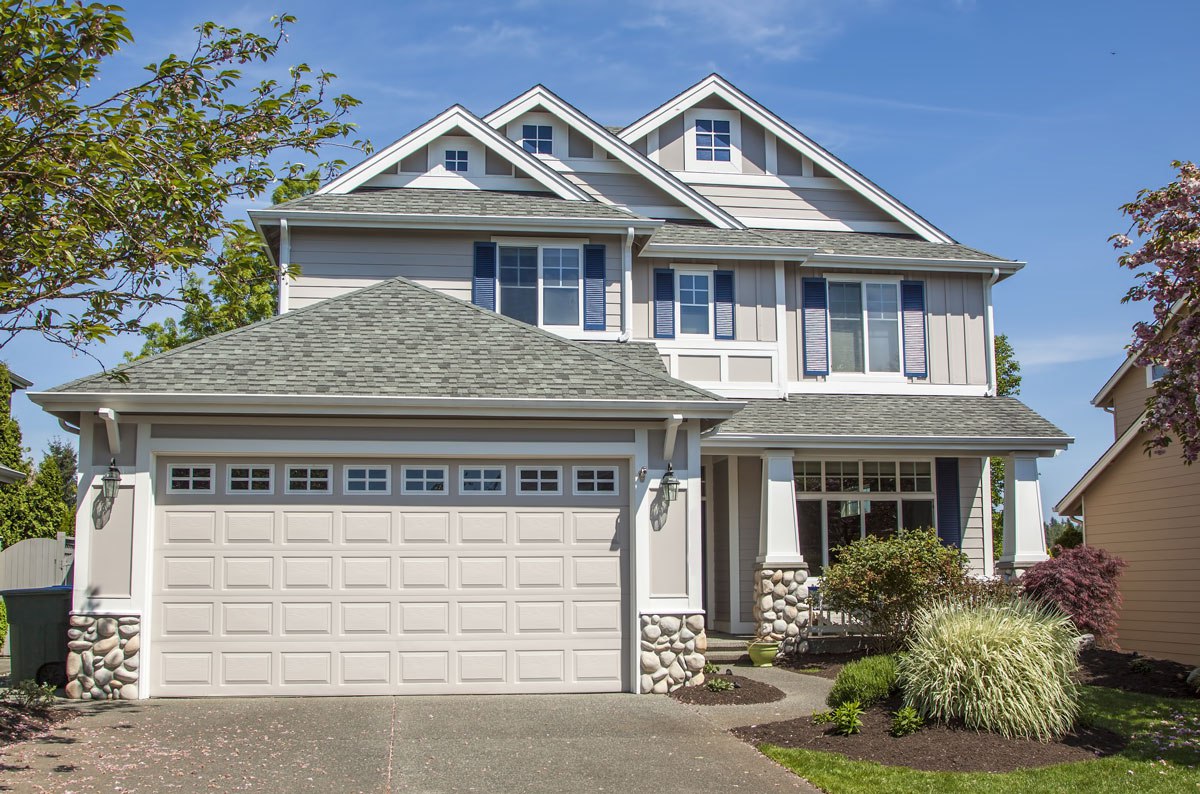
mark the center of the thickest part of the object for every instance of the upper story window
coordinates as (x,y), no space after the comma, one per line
(540,285)
(1155,373)
(864,326)
(713,140)
(456,160)
(537,138)
(695,303)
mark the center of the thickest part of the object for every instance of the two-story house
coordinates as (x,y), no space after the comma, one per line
(547,401)
(1144,508)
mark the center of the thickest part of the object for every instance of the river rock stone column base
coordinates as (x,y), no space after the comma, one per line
(673,648)
(781,606)
(102,657)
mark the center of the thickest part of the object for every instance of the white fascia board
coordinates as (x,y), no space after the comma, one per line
(325,405)
(880,262)
(657,175)
(1118,446)
(716,85)
(671,250)
(391,220)
(982,445)
(456,116)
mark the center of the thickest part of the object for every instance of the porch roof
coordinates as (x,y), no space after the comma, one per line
(933,421)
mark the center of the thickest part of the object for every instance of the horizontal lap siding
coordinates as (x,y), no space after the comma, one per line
(627,189)
(792,203)
(1146,510)
(1129,399)
(970,489)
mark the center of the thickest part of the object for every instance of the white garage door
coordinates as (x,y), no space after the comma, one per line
(331,591)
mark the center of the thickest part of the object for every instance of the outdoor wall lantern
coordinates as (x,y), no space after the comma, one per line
(111,481)
(670,484)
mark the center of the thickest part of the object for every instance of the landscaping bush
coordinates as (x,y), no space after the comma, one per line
(884,581)
(1082,582)
(846,718)
(1006,668)
(3,621)
(867,681)
(906,721)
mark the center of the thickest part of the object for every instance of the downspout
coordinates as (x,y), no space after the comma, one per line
(627,286)
(285,255)
(991,334)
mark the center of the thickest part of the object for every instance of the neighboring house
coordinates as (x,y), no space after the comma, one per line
(1144,508)
(387,489)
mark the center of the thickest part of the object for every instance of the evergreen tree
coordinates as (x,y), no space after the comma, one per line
(1008,384)
(63,454)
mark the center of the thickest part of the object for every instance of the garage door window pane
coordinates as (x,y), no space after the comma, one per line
(368,479)
(489,479)
(250,479)
(596,481)
(424,480)
(308,479)
(190,479)
(540,481)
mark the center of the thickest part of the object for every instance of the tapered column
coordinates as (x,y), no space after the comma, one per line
(1024,537)
(778,537)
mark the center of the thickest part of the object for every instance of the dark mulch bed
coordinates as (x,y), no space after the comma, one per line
(934,748)
(18,724)
(1161,677)
(826,665)
(745,692)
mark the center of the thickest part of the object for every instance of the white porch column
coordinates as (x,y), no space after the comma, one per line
(778,536)
(1024,537)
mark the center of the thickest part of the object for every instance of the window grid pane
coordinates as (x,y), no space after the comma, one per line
(841,475)
(808,476)
(693,303)
(591,481)
(191,478)
(456,160)
(560,286)
(538,481)
(367,479)
(518,283)
(537,138)
(483,480)
(713,140)
(879,476)
(424,480)
(845,327)
(246,479)
(916,477)
(308,479)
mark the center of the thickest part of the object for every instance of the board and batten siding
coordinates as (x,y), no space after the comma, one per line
(1145,509)
(955,321)
(333,262)
(753,290)
(1129,399)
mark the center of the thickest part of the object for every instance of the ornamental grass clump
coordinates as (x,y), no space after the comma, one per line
(1006,668)
(867,681)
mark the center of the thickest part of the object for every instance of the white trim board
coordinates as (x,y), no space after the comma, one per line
(715,85)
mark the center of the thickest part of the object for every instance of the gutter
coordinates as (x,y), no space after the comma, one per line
(877,261)
(800,441)
(426,221)
(666,250)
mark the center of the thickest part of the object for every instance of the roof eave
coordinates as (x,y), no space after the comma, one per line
(880,261)
(983,445)
(426,221)
(666,250)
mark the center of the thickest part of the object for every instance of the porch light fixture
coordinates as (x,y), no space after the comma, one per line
(670,484)
(111,481)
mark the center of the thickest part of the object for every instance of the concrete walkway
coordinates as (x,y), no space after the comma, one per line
(805,694)
(532,743)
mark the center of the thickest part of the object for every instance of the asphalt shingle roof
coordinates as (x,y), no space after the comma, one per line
(932,416)
(398,339)
(847,243)
(436,201)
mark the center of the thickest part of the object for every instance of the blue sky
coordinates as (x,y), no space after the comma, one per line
(1017,127)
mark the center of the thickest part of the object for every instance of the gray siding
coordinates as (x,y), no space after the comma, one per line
(749,509)
(629,189)
(754,147)
(793,204)
(335,261)
(670,144)
(971,497)
(720,511)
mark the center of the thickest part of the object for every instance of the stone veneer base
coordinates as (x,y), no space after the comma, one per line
(102,657)
(673,648)
(781,606)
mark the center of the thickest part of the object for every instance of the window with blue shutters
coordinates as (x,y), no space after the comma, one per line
(553,286)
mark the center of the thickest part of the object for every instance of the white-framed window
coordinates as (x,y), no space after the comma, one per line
(308,478)
(249,478)
(712,140)
(191,478)
(542,284)
(481,480)
(366,480)
(595,480)
(423,480)
(541,480)
(537,138)
(840,501)
(456,160)
(693,300)
(864,326)
(1155,373)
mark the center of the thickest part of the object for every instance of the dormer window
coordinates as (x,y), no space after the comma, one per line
(713,141)
(456,160)
(537,138)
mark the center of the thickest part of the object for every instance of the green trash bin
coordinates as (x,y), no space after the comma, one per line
(38,619)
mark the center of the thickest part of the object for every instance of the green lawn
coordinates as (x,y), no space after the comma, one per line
(1162,756)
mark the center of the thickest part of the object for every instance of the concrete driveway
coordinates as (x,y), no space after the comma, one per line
(614,743)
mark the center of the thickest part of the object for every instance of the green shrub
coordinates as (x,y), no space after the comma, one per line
(1141,666)
(906,720)
(30,693)
(1005,668)
(884,581)
(847,718)
(868,681)
(3,621)
(719,685)
(710,669)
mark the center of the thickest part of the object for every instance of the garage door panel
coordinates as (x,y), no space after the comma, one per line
(325,597)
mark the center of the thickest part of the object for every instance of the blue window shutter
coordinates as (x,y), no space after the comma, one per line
(723,304)
(814,318)
(483,283)
(664,304)
(912,312)
(949,508)
(594,261)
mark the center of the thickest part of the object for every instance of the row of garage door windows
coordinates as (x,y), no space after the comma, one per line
(376,480)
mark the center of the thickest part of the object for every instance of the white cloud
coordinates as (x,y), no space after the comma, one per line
(1051,351)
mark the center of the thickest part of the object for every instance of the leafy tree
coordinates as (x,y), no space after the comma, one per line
(107,200)
(12,451)
(1166,267)
(1008,384)
(244,287)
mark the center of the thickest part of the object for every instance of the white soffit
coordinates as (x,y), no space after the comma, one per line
(715,85)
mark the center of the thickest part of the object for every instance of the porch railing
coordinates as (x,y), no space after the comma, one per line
(824,622)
